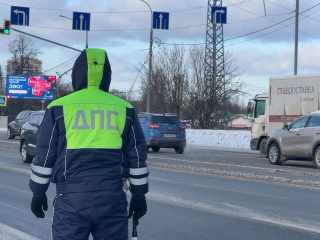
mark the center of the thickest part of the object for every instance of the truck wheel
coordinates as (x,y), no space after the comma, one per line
(274,154)
(263,148)
(155,149)
(9,133)
(317,157)
(26,158)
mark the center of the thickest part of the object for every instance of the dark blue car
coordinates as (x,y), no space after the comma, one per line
(163,131)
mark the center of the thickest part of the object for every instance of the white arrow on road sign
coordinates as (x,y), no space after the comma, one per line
(81,20)
(215,15)
(161,17)
(24,16)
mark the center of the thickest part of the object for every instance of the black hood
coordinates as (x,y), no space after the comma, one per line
(92,70)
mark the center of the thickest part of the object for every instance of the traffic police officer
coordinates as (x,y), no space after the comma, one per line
(88,142)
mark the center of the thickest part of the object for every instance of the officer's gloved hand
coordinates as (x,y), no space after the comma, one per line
(39,204)
(138,207)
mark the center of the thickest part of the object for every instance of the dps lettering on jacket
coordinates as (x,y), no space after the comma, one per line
(81,115)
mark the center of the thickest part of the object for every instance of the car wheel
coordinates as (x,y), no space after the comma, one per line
(263,148)
(9,133)
(274,154)
(179,150)
(317,157)
(155,149)
(26,158)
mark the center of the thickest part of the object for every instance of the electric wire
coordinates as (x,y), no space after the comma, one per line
(62,63)
(260,29)
(195,6)
(289,9)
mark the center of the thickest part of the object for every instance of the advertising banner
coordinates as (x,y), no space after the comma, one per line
(31,87)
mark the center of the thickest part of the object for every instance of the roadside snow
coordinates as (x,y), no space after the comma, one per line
(9,233)
(219,138)
(3,129)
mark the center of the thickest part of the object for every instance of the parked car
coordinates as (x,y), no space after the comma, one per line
(28,138)
(301,139)
(14,127)
(163,131)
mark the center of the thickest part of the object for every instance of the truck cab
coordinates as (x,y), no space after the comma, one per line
(260,126)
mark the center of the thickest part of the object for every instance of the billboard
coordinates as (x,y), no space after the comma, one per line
(31,87)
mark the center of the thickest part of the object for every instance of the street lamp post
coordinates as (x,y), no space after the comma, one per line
(86,31)
(150,59)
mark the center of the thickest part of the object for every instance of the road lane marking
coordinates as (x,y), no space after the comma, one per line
(237,175)
(233,211)
(9,233)
(9,142)
(271,168)
(15,168)
(217,188)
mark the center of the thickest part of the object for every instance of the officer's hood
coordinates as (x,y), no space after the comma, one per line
(92,70)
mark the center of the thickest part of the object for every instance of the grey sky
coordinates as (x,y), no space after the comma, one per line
(266,56)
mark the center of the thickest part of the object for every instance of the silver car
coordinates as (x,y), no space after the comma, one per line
(300,139)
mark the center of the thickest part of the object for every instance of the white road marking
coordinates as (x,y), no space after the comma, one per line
(217,188)
(9,233)
(9,142)
(234,211)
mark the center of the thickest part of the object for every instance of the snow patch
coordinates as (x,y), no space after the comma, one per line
(219,138)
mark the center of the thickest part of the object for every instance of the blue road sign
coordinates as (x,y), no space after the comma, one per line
(3,101)
(81,21)
(219,15)
(20,16)
(161,20)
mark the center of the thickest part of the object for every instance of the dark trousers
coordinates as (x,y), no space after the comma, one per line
(103,214)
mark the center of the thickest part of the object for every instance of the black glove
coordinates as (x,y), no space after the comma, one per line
(37,204)
(138,207)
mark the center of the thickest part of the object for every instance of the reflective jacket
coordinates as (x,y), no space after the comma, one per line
(90,140)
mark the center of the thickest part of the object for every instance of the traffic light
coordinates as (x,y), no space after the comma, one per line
(6,29)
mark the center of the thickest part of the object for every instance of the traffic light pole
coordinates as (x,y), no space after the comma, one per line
(296,39)
(150,59)
(46,40)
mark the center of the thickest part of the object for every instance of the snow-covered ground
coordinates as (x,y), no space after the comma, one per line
(219,138)
(214,138)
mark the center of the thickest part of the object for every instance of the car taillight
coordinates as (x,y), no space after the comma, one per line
(154,126)
(155,139)
(182,127)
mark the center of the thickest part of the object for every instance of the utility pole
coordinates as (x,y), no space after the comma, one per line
(214,71)
(296,39)
(150,59)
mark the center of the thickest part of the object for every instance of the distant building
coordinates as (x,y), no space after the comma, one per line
(31,66)
(115,92)
(239,121)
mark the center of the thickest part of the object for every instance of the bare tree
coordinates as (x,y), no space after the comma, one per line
(169,85)
(23,56)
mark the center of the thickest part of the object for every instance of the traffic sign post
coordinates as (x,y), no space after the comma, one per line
(20,16)
(3,101)
(219,15)
(161,20)
(81,21)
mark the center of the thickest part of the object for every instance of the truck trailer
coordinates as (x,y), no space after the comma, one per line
(288,98)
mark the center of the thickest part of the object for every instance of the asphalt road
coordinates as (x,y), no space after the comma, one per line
(186,205)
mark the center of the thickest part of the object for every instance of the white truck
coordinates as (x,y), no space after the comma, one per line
(287,99)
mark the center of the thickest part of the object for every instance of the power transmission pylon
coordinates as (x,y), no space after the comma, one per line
(214,71)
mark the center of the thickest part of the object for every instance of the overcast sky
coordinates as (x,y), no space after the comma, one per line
(122,27)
